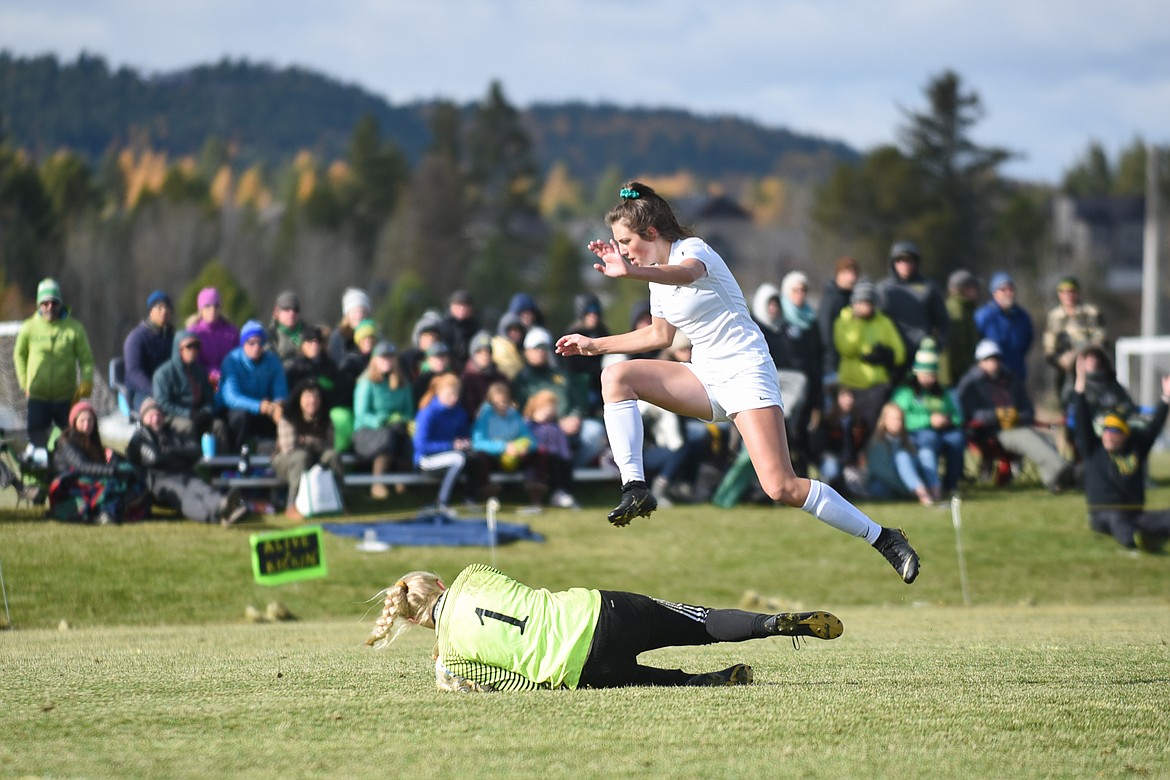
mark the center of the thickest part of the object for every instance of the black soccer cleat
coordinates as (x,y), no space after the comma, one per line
(821,625)
(893,544)
(740,674)
(637,501)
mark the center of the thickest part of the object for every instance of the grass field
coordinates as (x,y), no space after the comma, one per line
(1059,668)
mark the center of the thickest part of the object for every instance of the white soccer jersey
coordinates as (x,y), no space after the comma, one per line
(712,313)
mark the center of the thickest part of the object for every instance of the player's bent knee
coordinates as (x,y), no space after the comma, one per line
(786,491)
(615,380)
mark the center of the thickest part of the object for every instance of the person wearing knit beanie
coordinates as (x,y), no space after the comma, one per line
(168,458)
(48,290)
(78,409)
(158,298)
(91,485)
(217,336)
(365,330)
(933,421)
(926,358)
(252,329)
(148,405)
(252,388)
(355,298)
(53,362)
(148,345)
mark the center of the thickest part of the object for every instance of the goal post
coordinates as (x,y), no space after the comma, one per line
(1142,361)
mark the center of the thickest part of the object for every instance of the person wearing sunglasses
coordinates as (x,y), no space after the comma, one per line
(252,388)
(182,387)
(54,363)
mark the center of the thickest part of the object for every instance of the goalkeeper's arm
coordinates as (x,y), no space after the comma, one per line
(473,676)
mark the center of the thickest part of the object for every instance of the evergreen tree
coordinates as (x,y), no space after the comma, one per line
(502,168)
(938,188)
(378,172)
(400,310)
(1091,175)
(562,280)
(430,226)
(506,226)
(69,184)
(30,234)
(960,175)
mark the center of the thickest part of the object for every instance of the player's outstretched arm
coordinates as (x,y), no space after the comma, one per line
(658,335)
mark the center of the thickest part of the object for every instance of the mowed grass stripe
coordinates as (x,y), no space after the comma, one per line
(912,692)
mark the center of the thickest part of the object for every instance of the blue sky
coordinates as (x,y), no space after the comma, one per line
(1052,76)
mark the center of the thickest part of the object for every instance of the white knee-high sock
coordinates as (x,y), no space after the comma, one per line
(623,426)
(827,505)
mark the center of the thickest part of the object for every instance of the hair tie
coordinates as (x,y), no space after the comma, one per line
(400,584)
(629,194)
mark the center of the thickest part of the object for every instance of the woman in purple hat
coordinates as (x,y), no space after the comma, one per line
(217,336)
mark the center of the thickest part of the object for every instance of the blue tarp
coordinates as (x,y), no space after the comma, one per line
(436,530)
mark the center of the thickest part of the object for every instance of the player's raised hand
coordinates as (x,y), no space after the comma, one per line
(613,263)
(575,344)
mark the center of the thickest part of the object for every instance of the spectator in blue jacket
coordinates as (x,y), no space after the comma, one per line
(1006,323)
(148,346)
(442,438)
(252,387)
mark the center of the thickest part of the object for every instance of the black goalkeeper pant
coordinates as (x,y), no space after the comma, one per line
(631,624)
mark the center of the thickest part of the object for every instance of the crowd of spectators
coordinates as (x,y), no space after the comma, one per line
(887,384)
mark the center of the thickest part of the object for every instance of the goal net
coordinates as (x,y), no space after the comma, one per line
(1142,361)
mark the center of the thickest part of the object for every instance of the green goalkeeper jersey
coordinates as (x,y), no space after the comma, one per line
(496,631)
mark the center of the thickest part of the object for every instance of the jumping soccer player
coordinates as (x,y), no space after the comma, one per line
(495,633)
(731,376)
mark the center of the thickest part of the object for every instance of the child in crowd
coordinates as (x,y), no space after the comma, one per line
(892,468)
(442,440)
(93,485)
(840,444)
(501,434)
(552,463)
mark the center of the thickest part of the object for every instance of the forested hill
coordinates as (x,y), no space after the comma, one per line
(269,114)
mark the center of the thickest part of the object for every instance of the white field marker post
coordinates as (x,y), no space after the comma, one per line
(957,522)
(493,506)
(4,590)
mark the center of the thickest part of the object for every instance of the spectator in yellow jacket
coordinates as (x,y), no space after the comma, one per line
(51,351)
(870,349)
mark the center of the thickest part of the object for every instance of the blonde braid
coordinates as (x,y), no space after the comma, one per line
(410,598)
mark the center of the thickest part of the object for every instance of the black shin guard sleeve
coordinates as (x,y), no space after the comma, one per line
(735,625)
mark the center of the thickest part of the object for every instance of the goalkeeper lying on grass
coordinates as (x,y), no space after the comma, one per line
(494,633)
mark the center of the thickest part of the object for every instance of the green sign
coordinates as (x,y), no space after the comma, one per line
(288,556)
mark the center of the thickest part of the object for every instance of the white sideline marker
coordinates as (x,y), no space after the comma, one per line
(493,506)
(957,522)
(4,590)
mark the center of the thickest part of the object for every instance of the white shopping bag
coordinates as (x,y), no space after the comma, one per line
(318,493)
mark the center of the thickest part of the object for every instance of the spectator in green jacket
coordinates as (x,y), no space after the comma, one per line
(933,420)
(383,408)
(51,350)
